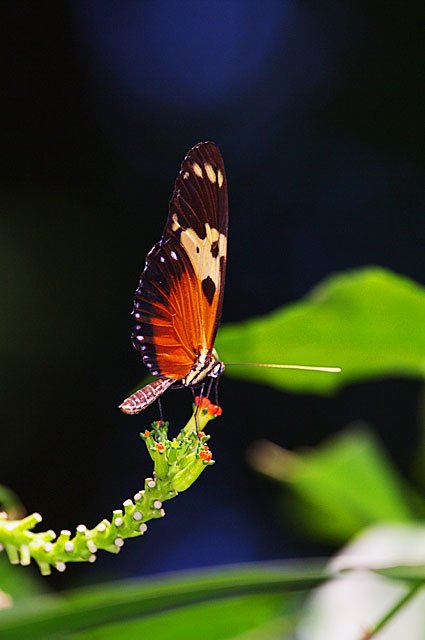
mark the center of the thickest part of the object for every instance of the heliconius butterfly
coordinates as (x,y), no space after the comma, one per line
(177,305)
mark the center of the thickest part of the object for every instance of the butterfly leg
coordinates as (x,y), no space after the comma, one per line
(209,387)
(201,395)
(161,415)
(217,380)
(196,408)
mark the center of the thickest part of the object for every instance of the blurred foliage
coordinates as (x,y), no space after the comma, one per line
(19,583)
(369,322)
(368,595)
(10,502)
(215,620)
(404,573)
(255,595)
(340,487)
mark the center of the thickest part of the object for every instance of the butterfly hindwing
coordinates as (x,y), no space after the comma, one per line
(177,305)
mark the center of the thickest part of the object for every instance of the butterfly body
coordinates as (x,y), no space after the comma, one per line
(207,364)
(178,302)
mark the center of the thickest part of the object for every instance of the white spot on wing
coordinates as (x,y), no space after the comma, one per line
(197,170)
(175,222)
(210,172)
(173,255)
(162,259)
(220,178)
(185,175)
(140,338)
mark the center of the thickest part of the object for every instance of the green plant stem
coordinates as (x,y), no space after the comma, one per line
(392,612)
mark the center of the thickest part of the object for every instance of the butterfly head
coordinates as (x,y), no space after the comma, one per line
(217,370)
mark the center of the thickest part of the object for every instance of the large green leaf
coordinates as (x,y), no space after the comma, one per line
(340,487)
(369,322)
(90,608)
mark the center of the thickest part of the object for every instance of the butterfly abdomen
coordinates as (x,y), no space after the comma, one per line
(145,396)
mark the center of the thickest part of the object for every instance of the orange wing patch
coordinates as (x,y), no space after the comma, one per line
(187,335)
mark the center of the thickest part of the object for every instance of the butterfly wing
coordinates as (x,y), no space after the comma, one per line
(178,302)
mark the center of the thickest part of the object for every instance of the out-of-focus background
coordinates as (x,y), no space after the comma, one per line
(318,111)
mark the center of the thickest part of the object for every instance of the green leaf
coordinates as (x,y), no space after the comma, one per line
(217,620)
(370,322)
(90,608)
(10,502)
(340,487)
(19,583)
(404,573)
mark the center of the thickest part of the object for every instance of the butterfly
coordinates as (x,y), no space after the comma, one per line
(178,302)
(177,305)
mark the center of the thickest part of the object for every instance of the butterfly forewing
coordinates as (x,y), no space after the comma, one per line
(177,305)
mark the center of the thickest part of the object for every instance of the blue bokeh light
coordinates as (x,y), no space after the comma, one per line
(191,54)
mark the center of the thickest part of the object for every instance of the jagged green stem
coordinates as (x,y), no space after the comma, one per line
(177,464)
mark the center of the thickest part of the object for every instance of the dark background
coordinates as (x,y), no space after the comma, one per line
(318,109)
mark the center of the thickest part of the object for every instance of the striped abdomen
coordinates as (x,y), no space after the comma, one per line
(145,396)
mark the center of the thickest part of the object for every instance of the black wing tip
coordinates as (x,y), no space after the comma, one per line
(207,151)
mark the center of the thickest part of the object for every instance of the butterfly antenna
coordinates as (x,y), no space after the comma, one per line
(285,366)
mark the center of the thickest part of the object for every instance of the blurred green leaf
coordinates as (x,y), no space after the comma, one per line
(370,322)
(19,582)
(340,487)
(217,620)
(89,608)
(405,573)
(10,503)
